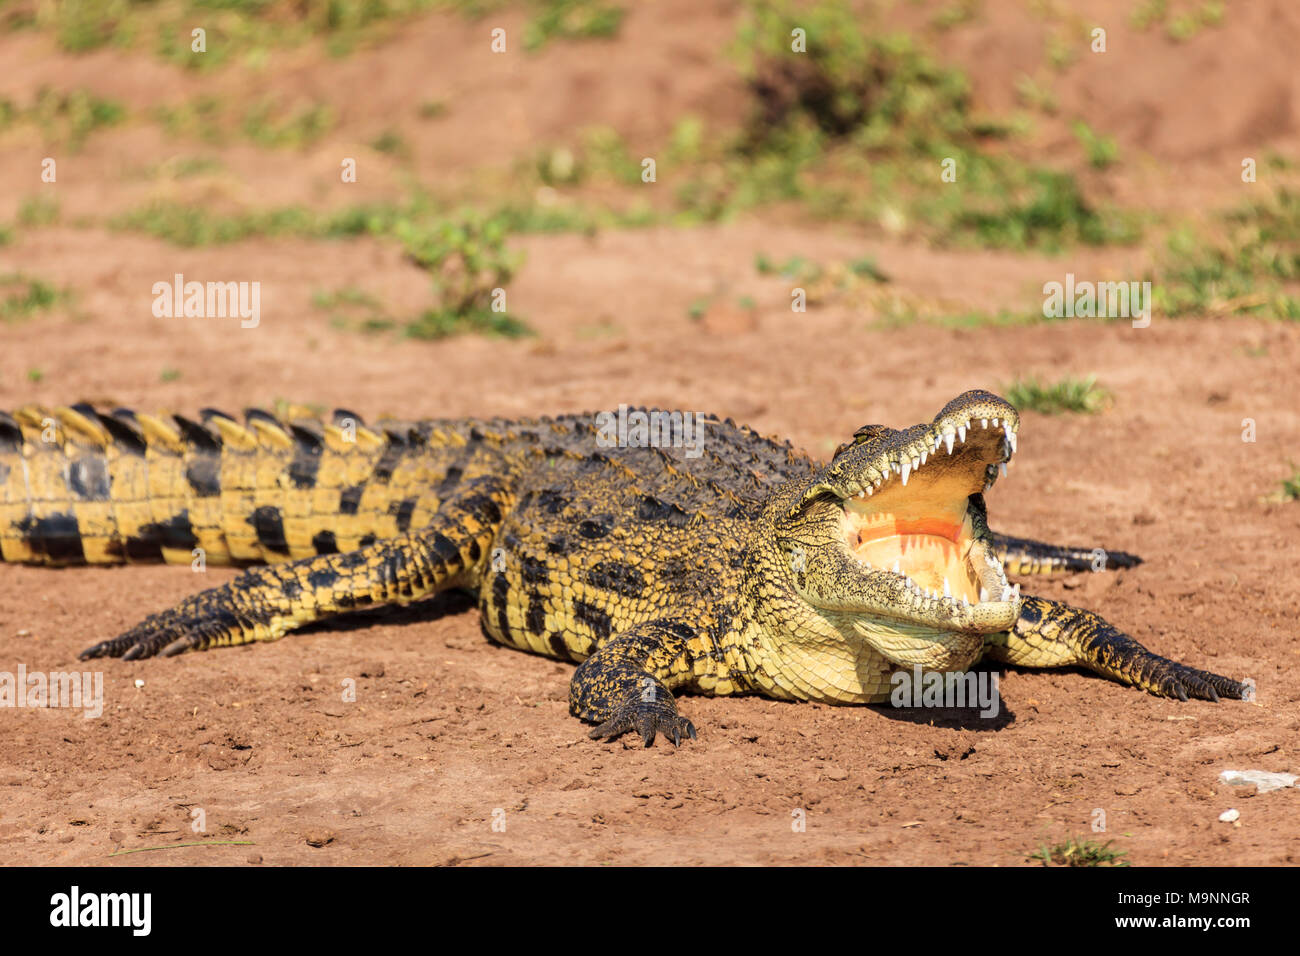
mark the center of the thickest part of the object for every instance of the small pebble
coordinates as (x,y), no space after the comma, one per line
(1229,816)
(318,837)
(254,858)
(139,682)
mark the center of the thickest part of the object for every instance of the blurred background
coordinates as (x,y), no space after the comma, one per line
(646,184)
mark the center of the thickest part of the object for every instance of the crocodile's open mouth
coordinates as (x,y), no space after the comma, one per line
(921,520)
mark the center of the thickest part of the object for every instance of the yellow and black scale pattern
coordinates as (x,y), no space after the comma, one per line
(629,561)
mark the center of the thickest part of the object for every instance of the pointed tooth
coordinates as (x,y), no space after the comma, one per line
(898,568)
(948,441)
(1006,592)
(924,456)
(907,470)
(988,486)
(984,422)
(984,595)
(1015,591)
(1012,437)
(1002,468)
(994,421)
(947,588)
(961,432)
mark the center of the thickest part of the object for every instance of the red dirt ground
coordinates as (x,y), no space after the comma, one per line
(448,729)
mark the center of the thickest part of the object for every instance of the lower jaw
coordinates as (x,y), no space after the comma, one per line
(908,644)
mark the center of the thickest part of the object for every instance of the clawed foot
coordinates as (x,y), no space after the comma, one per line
(167,634)
(647,718)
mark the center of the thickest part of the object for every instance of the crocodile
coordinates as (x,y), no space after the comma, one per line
(737,565)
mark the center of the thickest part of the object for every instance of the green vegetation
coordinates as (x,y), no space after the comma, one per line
(268,124)
(571,19)
(1244,269)
(353,308)
(468,261)
(185,225)
(866,126)
(22,297)
(63,116)
(1181,23)
(38,211)
(432,109)
(169,374)
(1074,853)
(1101,150)
(244,28)
(470,266)
(391,143)
(1067,395)
(1290,490)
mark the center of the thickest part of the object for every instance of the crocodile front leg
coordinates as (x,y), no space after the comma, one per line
(1026,556)
(624,686)
(1052,634)
(264,603)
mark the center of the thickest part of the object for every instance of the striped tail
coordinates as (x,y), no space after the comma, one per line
(80,486)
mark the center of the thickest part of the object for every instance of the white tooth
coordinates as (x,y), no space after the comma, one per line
(1002,468)
(1006,592)
(916,462)
(924,455)
(984,422)
(984,595)
(870,491)
(1012,436)
(961,432)
(994,421)
(907,470)
(988,487)
(1015,590)
(947,588)
(898,568)
(948,441)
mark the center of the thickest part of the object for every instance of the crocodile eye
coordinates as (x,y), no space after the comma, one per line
(864,434)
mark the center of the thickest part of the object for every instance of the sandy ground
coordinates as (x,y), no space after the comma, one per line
(450,734)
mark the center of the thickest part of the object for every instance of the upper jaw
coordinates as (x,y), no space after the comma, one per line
(919,509)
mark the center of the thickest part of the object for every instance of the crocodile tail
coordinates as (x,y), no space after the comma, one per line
(82,486)
(1023,556)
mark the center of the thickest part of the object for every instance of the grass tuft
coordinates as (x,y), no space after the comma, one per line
(1083,396)
(1074,853)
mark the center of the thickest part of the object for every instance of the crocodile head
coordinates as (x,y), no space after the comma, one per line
(890,542)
